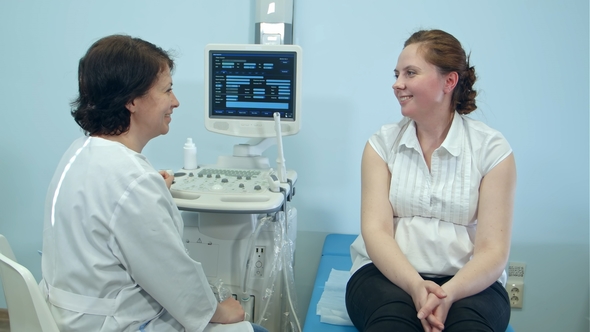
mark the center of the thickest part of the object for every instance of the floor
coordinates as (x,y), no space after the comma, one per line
(4,325)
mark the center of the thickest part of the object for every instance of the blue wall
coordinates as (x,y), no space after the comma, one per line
(531,57)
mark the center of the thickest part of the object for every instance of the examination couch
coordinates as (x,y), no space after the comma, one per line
(335,255)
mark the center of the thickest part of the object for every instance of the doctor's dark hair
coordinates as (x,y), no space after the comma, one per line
(445,52)
(115,70)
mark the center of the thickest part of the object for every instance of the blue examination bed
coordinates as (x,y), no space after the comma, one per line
(335,255)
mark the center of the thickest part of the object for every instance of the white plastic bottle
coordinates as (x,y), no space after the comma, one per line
(190,154)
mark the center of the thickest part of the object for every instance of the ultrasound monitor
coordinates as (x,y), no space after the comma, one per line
(245,84)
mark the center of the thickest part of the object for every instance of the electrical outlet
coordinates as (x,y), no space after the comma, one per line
(515,284)
(515,293)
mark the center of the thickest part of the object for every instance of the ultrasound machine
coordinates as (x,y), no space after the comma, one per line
(239,221)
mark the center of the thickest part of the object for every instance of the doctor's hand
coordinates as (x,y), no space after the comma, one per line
(229,311)
(169,178)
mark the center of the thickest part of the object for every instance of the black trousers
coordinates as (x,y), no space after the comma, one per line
(376,304)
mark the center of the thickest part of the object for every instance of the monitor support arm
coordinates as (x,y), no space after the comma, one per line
(254,147)
(248,155)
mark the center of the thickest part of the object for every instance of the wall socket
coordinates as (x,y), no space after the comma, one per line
(515,284)
(515,293)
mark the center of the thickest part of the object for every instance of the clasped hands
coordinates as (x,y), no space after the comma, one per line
(432,304)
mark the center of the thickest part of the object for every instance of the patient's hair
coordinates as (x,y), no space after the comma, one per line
(115,70)
(446,53)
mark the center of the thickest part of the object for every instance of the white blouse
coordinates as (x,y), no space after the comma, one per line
(435,211)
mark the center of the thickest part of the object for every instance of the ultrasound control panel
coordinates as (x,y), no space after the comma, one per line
(214,189)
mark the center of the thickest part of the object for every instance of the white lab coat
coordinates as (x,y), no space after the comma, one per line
(113,257)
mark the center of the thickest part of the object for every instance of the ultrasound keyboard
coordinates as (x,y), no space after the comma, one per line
(213,189)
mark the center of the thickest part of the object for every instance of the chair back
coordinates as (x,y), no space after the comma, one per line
(27,309)
(5,248)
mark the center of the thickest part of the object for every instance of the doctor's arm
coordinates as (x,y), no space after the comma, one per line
(149,246)
(492,238)
(378,233)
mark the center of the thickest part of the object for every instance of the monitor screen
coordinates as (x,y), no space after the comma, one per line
(245,84)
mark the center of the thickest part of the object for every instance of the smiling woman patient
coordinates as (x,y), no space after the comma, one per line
(113,257)
(437,201)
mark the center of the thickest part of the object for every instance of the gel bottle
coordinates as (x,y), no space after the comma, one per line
(190,154)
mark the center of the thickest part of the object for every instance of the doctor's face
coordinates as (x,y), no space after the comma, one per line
(151,114)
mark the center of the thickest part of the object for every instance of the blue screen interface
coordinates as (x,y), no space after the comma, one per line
(250,84)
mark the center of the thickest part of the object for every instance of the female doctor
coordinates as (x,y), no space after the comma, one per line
(113,257)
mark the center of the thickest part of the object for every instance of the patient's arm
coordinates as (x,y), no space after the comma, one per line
(492,238)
